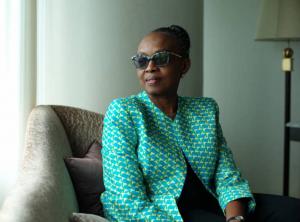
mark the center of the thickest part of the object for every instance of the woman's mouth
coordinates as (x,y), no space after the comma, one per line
(151,81)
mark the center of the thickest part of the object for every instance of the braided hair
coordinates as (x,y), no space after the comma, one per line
(181,36)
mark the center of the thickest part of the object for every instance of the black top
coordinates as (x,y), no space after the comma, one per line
(194,195)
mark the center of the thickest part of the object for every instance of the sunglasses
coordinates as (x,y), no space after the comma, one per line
(160,59)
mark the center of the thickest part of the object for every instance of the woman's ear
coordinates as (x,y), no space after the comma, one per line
(186,66)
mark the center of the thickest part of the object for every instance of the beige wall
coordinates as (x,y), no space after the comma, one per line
(85,46)
(246,79)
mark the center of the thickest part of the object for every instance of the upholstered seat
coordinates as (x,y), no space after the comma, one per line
(44,191)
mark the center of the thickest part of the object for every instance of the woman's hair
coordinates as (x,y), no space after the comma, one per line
(181,36)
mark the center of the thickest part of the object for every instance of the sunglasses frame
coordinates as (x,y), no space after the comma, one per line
(149,58)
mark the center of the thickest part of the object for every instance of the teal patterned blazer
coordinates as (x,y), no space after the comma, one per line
(143,158)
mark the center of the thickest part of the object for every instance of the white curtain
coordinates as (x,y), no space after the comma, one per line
(17,83)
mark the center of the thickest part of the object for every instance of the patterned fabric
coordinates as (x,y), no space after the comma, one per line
(144,165)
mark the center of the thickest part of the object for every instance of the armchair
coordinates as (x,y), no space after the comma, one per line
(44,191)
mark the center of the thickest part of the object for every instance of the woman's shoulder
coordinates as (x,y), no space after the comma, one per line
(199,106)
(199,101)
(126,103)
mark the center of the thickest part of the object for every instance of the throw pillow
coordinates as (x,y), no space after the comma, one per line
(86,174)
(79,217)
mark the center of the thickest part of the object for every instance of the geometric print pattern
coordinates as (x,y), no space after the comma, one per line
(143,158)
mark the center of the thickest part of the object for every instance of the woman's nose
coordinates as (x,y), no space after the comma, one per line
(151,67)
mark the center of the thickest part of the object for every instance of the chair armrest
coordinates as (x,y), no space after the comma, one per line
(44,191)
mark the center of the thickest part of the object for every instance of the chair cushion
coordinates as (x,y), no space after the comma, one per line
(87,177)
(79,217)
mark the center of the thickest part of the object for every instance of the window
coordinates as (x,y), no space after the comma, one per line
(11,12)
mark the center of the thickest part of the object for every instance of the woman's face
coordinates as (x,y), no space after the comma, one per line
(161,81)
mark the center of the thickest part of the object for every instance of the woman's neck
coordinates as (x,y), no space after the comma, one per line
(167,104)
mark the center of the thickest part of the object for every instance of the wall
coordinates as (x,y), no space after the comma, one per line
(85,47)
(245,78)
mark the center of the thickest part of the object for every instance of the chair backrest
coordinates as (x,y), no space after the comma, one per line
(82,127)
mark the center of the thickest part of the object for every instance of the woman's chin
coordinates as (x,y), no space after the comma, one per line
(160,92)
(153,91)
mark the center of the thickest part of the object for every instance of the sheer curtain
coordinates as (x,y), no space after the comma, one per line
(17,83)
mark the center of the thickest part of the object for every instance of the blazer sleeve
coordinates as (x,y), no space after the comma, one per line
(229,183)
(125,197)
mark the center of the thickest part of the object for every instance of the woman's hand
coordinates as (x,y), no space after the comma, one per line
(235,208)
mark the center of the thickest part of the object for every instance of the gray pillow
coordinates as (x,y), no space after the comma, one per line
(79,217)
(86,174)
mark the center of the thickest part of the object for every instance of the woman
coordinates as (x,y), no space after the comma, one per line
(164,156)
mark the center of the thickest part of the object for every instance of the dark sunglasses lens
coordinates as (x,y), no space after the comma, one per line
(140,61)
(161,58)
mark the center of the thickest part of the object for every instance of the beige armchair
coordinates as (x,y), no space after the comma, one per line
(44,190)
